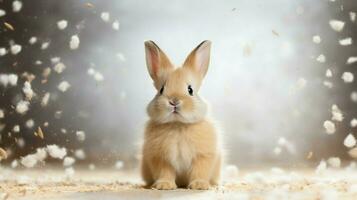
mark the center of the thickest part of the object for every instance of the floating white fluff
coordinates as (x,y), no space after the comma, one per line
(347,77)
(41,154)
(321,168)
(12,79)
(4,79)
(56,152)
(45,45)
(22,107)
(98,76)
(115,25)
(329,127)
(346,41)
(74,43)
(328,84)
(337,25)
(2,12)
(68,161)
(14,164)
(336,113)
(334,162)
(352,59)
(91,167)
(350,141)
(16,6)
(59,67)
(16,128)
(321,58)
(55,60)
(45,99)
(352,16)
(63,86)
(316,39)
(79,153)
(353,122)
(119,164)
(2,114)
(33,40)
(30,123)
(2,51)
(29,161)
(328,73)
(91,71)
(80,135)
(353,96)
(62,24)
(353,152)
(27,89)
(105,16)
(15,49)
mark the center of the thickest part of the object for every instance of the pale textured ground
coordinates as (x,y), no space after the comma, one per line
(113,184)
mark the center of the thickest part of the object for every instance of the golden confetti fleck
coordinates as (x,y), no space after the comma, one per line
(40,133)
(89,5)
(9,26)
(275,33)
(3,154)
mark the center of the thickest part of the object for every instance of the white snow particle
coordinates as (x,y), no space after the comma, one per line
(16,128)
(4,79)
(15,49)
(45,99)
(13,79)
(347,77)
(55,60)
(321,58)
(41,154)
(74,43)
(316,39)
(2,51)
(353,152)
(330,127)
(30,123)
(27,89)
(68,161)
(45,45)
(14,164)
(22,107)
(277,150)
(2,12)
(91,71)
(105,16)
(119,164)
(231,171)
(328,84)
(115,25)
(336,113)
(337,25)
(334,162)
(353,122)
(16,6)
(29,161)
(59,67)
(91,167)
(79,153)
(33,40)
(328,73)
(346,41)
(352,59)
(354,96)
(2,114)
(350,141)
(69,172)
(56,152)
(63,86)
(321,167)
(81,135)
(352,16)
(62,24)
(98,77)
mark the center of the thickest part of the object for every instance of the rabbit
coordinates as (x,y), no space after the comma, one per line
(181,147)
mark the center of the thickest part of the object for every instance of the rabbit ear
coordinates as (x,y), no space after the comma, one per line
(199,58)
(157,62)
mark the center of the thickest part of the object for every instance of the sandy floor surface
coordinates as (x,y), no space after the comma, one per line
(113,184)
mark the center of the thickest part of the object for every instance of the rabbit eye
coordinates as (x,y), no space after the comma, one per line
(190,90)
(162,89)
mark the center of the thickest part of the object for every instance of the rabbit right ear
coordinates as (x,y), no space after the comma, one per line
(157,63)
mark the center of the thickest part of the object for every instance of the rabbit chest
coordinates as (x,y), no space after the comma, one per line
(180,150)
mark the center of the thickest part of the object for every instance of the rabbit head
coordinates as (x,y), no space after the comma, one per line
(177,98)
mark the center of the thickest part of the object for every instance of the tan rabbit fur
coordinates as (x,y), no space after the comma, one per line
(181,147)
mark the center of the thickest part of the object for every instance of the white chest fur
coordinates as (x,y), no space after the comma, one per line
(181,152)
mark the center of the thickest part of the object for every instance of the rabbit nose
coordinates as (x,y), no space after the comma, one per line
(174,102)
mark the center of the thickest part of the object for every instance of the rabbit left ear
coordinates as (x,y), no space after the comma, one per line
(198,59)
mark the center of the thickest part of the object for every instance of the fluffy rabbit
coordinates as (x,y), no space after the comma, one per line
(181,147)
